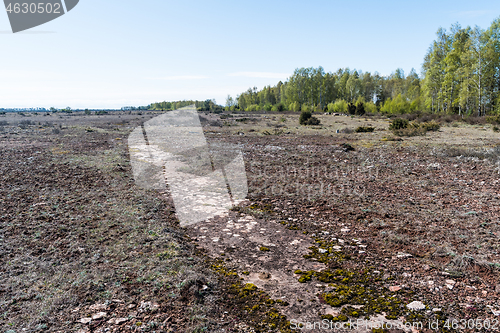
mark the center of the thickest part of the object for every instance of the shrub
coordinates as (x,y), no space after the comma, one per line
(347,147)
(280,107)
(398,124)
(364,129)
(351,108)
(493,119)
(412,129)
(410,132)
(313,121)
(360,109)
(306,118)
(495,129)
(473,120)
(430,126)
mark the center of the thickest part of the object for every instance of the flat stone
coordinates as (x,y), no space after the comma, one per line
(394,288)
(98,307)
(99,315)
(85,320)
(497,289)
(416,305)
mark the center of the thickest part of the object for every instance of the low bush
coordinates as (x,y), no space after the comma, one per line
(360,109)
(364,129)
(398,123)
(280,107)
(351,108)
(431,126)
(493,119)
(306,118)
(473,120)
(410,131)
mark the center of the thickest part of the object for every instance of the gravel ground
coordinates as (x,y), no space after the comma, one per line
(336,226)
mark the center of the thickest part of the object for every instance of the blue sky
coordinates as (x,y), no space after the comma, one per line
(109,53)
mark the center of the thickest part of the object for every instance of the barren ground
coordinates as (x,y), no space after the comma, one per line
(326,231)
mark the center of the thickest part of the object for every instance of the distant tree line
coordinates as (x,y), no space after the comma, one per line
(460,75)
(207,105)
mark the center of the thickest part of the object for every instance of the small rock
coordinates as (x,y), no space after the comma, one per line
(416,305)
(426,267)
(345,230)
(85,320)
(322,251)
(145,306)
(485,293)
(394,288)
(118,321)
(99,315)
(264,276)
(436,310)
(497,289)
(131,306)
(450,282)
(98,307)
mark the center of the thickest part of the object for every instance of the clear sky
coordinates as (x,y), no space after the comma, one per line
(110,53)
